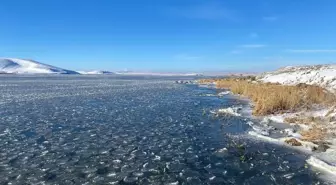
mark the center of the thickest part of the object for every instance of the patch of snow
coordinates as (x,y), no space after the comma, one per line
(329,155)
(322,165)
(304,127)
(235,111)
(321,75)
(265,138)
(224,93)
(306,147)
(320,113)
(323,161)
(20,66)
(276,118)
(291,132)
(259,129)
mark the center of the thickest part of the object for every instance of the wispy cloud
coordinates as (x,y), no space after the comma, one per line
(253,46)
(311,50)
(209,11)
(186,57)
(270,18)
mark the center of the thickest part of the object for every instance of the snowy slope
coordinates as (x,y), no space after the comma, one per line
(95,72)
(20,66)
(321,75)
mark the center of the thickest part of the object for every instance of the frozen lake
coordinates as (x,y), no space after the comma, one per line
(108,130)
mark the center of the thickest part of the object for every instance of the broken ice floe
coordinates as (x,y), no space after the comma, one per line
(235,111)
(224,93)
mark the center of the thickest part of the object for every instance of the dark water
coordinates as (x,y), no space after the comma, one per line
(103,130)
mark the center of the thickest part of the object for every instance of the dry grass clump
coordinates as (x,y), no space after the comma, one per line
(331,111)
(314,134)
(306,120)
(293,142)
(271,98)
(206,81)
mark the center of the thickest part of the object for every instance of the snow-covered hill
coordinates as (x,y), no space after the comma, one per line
(95,72)
(321,75)
(21,66)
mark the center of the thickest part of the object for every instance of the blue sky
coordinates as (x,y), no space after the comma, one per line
(171,35)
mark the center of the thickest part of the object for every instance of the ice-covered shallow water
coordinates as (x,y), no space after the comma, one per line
(104,130)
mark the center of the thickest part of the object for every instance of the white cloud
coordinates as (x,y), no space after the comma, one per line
(270,18)
(311,50)
(253,46)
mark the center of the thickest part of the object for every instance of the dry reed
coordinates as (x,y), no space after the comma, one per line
(271,98)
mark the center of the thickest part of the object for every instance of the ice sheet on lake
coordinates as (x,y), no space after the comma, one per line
(99,130)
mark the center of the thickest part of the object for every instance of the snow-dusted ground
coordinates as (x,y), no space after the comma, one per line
(273,129)
(20,66)
(324,161)
(321,75)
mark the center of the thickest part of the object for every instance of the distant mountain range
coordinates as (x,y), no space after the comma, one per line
(22,66)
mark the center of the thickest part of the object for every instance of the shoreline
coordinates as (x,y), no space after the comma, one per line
(322,156)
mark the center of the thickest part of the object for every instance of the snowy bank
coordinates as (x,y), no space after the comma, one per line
(306,125)
(320,75)
(322,154)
